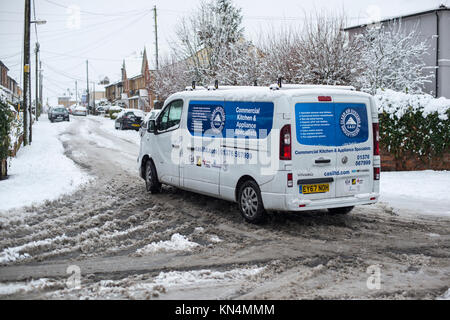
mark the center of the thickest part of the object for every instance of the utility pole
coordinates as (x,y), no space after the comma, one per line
(40,88)
(26,69)
(87,84)
(37,81)
(156,38)
(76,92)
(30,111)
(93,99)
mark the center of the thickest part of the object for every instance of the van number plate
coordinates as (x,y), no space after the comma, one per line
(314,188)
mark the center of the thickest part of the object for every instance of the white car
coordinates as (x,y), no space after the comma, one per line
(290,148)
(79,111)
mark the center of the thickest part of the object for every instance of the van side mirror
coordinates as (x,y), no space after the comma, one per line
(151,126)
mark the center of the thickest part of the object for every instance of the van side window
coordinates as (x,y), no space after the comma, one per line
(176,109)
(171,116)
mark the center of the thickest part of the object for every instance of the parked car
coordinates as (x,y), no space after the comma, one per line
(100,110)
(129,119)
(59,114)
(49,112)
(79,111)
(289,148)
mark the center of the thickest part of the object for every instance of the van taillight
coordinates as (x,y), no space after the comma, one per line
(285,143)
(290,180)
(376,173)
(325,99)
(376,139)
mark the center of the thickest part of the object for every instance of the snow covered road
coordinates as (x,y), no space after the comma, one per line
(126,243)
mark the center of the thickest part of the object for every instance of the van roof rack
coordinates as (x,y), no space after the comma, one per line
(231,87)
(189,88)
(276,86)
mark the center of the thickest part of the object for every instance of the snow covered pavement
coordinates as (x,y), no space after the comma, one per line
(41,171)
(417,192)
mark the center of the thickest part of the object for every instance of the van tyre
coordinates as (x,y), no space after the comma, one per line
(151,178)
(343,210)
(250,202)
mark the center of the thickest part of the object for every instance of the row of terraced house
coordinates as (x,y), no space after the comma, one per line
(134,89)
(9,86)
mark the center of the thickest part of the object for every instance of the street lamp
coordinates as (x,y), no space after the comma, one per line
(39,22)
(37,104)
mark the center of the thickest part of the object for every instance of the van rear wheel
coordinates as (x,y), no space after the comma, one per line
(343,210)
(250,202)
(151,178)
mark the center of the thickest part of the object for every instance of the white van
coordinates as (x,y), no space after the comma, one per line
(290,148)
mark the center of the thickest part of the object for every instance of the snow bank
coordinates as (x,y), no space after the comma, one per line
(445,296)
(424,192)
(22,287)
(18,253)
(199,277)
(40,171)
(178,242)
(398,103)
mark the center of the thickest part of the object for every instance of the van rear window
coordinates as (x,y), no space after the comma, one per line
(331,124)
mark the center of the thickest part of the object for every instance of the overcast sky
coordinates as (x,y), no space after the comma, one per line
(107,31)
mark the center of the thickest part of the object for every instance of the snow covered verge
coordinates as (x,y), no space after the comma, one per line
(424,192)
(40,171)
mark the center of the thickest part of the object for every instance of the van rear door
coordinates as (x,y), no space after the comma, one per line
(332,155)
(354,140)
(314,157)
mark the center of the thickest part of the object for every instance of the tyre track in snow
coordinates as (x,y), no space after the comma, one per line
(101,226)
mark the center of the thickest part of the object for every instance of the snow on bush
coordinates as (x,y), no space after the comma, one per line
(415,123)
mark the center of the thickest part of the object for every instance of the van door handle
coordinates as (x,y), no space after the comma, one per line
(322,161)
(175,146)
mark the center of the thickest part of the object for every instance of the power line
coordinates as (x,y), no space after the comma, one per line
(121,13)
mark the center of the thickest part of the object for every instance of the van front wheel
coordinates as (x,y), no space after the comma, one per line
(250,202)
(151,179)
(343,210)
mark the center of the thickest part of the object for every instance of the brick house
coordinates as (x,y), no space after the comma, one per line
(134,90)
(9,85)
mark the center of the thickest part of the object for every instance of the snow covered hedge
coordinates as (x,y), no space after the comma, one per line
(413,124)
(6,118)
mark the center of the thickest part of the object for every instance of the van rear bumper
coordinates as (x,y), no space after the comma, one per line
(288,202)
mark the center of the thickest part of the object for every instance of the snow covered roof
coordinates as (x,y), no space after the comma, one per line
(387,19)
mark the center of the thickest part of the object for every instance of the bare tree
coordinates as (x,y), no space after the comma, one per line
(173,76)
(393,59)
(319,52)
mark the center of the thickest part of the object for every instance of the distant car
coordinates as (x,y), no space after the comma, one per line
(59,114)
(129,119)
(79,111)
(100,110)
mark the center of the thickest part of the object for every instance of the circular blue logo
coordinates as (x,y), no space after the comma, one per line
(350,123)
(218,120)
